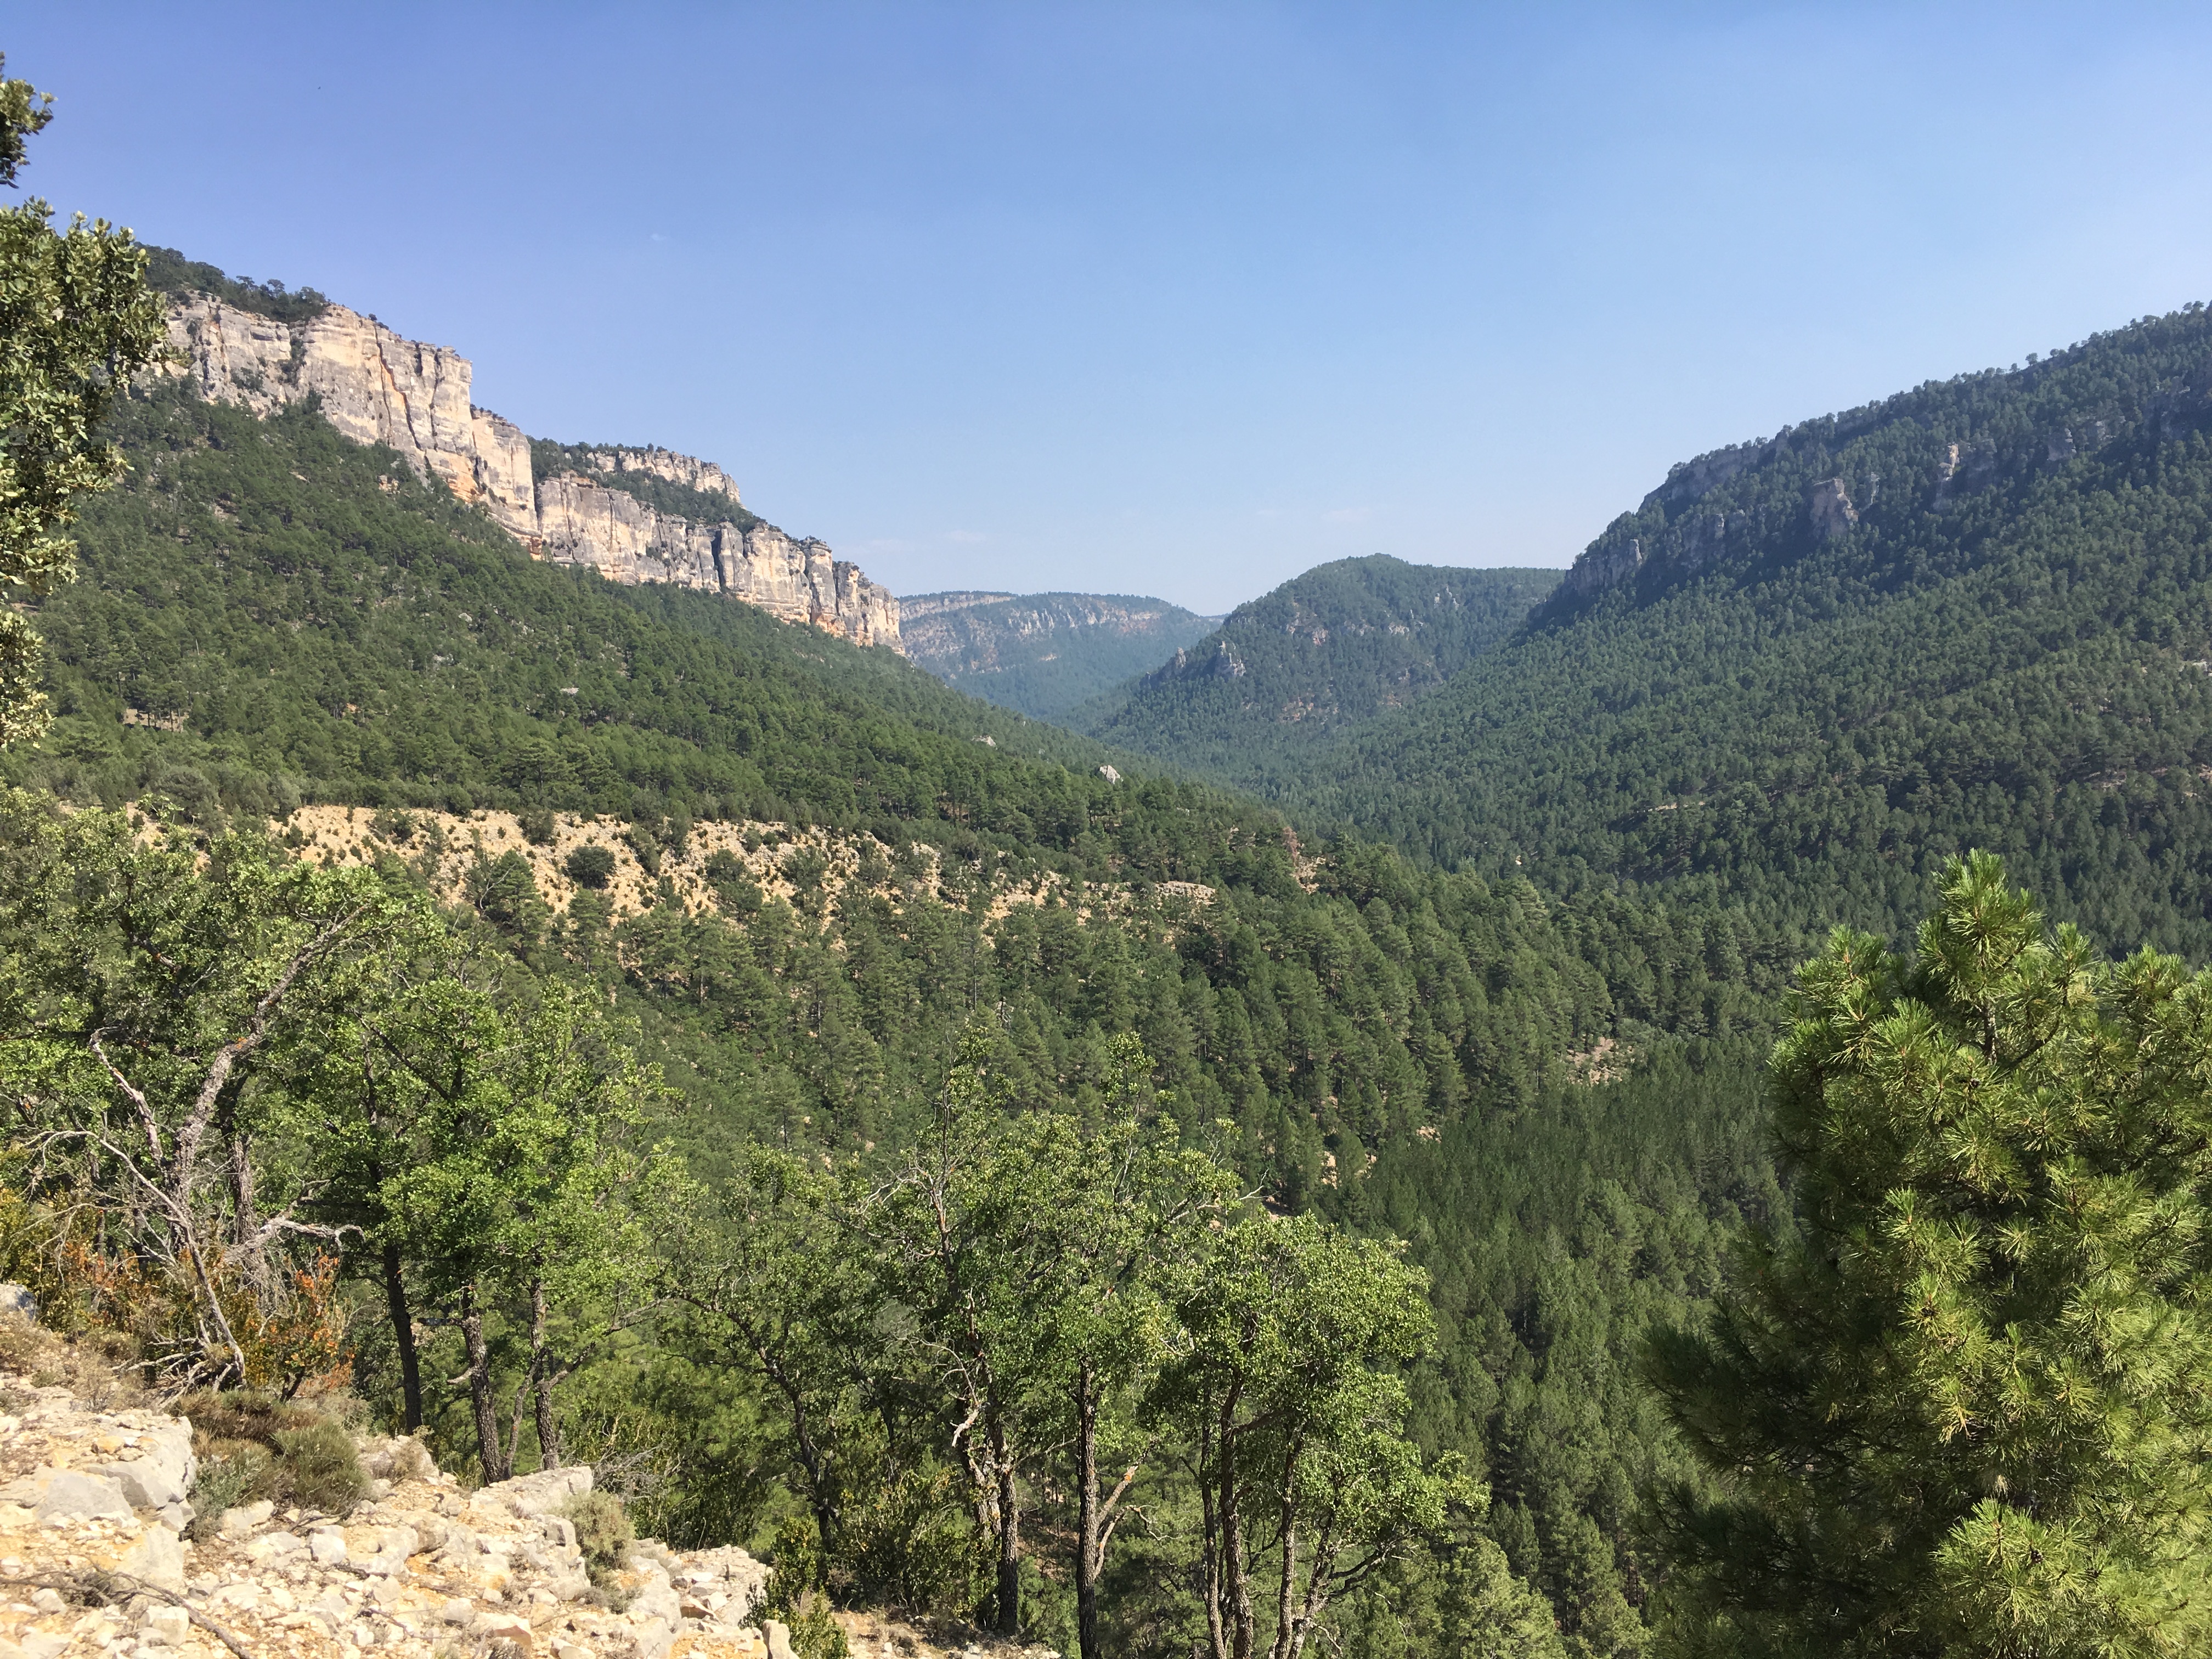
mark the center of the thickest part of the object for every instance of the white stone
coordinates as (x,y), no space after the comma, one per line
(327,1545)
(156,1559)
(171,1621)
(243,1518)
(69,1494)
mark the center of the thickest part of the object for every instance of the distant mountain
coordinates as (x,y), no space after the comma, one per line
(1287,672)
(1040,654)
(1805,670)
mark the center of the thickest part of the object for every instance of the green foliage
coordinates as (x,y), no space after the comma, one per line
(223,1481)
(603,1533)
(1967,1412)
(136,990)
(233,588)
(590,866)
(536,826)
(505,892)
(1287,672)
(253,1444)
(1042,655)
(169,271)
(322,1471)
(794,1594)
(77,321)
(2006,650)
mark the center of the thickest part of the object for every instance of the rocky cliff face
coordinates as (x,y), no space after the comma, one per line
(376,387)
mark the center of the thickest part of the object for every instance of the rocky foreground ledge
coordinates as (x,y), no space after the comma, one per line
(95,1559)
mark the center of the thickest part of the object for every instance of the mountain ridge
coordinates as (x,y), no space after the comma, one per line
(1803,672)
(1334,645)
(1041,655)
(374,384)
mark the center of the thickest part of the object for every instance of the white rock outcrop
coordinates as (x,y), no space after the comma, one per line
(375,386)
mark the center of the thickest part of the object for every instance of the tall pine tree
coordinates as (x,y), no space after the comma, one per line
(1966,1409)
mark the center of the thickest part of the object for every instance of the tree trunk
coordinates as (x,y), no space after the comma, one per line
(1217,1631)
(489,1450)
(1287,1525)
(1235,1567)
(1088,1553)
(541,1370)
(403,1333)
(1010,1550)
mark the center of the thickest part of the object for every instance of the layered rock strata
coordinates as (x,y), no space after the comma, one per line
(376,387)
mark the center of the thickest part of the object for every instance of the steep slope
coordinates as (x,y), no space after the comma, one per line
(1804,669)
(1041,654)
(633,514)
(1336,645)
(268,611)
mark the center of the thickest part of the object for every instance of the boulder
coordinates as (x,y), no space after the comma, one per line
(242,1518)
(70,1493)
(156,1559)
(160,1469)
(535,1494)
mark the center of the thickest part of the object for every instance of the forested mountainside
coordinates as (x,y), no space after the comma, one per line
(1805,670)
(1288,672)
(1040,654)
(268,614)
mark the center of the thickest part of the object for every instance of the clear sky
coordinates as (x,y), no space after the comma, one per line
(1177,298)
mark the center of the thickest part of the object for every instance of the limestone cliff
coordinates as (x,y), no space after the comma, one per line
(376,387)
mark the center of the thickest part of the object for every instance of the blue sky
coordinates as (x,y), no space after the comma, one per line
(1177,299)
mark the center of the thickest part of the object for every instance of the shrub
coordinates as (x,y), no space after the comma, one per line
(253,1444)
(603,1533)
(322,1468)
(505,892)
(392,825)
(235,1475)
(734,884)
(590,866)
(647,848)
(537,826)
(794,1593)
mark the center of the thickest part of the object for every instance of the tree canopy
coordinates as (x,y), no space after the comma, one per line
(1967,1408)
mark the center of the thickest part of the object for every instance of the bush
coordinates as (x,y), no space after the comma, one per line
(505,892)
(603,1533)
(322,1468)
(794,1593)
(225,1480)
(537,826)
(590,866)
(734,884)
(392,825)
(253,1444)
(647,848)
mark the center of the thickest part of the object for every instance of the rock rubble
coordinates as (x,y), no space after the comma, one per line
(95,1559)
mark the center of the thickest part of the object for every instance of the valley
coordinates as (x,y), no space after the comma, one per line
(505,945)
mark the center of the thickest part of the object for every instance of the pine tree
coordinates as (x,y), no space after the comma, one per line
(1967,1410)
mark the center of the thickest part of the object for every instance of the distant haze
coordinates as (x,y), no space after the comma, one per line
(1168,300)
